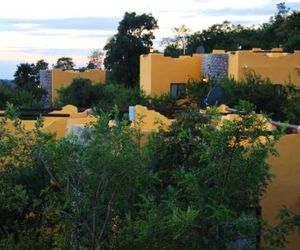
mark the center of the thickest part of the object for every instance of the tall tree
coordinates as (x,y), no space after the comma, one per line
(24,75)
(282,30)
(27,77)
(123,50)
(176,45)
(95,60)
(64,63)
(40,65)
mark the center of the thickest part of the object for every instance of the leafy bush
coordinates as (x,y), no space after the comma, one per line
(207,180)
(24,223)
(79,93)
(196,92)
(29,97)
(112,95)
(188,188)
(104,97)
(82,93)
(281,102)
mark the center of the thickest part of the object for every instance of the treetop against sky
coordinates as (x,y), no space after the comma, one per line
(52,29)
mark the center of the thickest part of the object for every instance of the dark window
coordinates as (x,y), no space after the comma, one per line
(177,89)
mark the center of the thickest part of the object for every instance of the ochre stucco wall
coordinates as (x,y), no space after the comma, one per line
(149,120)
(285,187)
(233,62)
(58,125)
(157,71)
(62,78)
(279,67)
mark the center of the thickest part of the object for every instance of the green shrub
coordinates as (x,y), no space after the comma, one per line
(30,97)
(281,102)
(79,93)
(104,97)
(188,188)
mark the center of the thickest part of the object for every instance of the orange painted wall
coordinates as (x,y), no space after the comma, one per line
(279,67)
(285,187)
(58,125)
(149,120)
(157,71)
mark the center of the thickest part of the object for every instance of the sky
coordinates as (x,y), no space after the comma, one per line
(33,29)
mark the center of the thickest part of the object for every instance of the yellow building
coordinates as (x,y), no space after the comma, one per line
(278,66)
(59,123)
(285,186)
(53,80)
(161,74)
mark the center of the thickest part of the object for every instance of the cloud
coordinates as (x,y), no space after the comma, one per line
(51,51)
(79,23)
(236,12)
(32,29)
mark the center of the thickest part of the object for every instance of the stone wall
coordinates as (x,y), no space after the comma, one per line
(215,66)
(46,83)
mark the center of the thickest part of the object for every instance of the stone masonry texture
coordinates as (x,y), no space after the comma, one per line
(215,66)
(46,83)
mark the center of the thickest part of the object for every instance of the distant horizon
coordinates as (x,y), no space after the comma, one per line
(54,29)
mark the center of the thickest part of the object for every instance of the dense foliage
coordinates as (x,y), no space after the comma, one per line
(282,31)
(65,63)
(96,59)
(82,93)
(207,181)
(123,50)
(27,76)
(30,97)
(27,92)
(192,187)
(280,102)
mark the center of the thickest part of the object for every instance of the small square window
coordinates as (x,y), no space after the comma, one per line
(177,90)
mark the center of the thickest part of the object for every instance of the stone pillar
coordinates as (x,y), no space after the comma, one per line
(46,83)
(215,66)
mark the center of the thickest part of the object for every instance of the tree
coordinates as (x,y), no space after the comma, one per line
(282,10)
(27,78)
(78,93)
(95,60)
(25,75)
(40,65)
(23,179)
(99,181)
(208,183)
(282,30)
(194,186)
(65,63)
(28,75)
(176,45)
(123,50)
(181,35)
